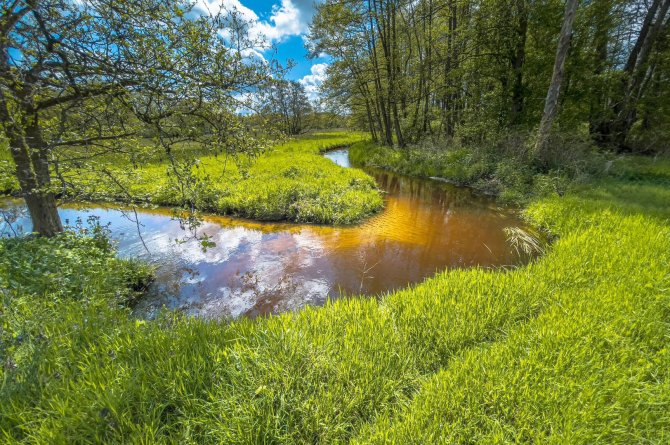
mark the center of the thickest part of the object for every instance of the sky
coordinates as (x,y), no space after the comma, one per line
(283,24)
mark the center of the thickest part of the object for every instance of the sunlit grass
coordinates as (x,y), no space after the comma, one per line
(290,182)
(572,348)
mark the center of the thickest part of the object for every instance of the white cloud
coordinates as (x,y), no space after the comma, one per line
(214,6)
(285,21)
(312,82)
(288,18)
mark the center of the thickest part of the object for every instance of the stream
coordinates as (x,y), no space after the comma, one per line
(259,268)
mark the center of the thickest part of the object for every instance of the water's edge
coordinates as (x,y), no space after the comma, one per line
(269,267)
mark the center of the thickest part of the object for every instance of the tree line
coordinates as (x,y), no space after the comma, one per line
(286,105)
(477,70)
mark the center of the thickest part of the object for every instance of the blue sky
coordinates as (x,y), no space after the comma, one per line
(283,24)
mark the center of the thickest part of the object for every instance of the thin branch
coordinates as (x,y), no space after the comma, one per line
(91,140)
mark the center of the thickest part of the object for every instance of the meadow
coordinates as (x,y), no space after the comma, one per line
(289,182)
(572,348)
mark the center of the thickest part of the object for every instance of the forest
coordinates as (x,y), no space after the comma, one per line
(334,221)
(477,73)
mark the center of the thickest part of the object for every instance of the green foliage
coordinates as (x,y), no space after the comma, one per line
(503,169)
(470,71)
(8,181)
(70,265)
(569,349)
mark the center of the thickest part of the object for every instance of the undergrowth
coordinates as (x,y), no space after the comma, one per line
(504,169)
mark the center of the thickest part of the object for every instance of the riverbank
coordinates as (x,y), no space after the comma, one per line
(569,349)
(252,268)
(290,182)
(504,171)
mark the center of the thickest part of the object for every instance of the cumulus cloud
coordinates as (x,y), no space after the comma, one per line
(312,82)
(214,6)
(288,18)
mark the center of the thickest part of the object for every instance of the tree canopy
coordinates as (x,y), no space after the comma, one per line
(479,70)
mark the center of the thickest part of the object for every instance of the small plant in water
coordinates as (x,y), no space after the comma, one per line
(523,241)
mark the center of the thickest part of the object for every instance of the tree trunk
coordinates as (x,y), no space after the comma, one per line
(600,43)
(642,37)
(553,95)
(32,171)
(635,87)
(518,60)
(615,129)
(429,75)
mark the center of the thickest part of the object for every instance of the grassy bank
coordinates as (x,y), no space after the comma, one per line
(289,182)
(572,348)
(504,170)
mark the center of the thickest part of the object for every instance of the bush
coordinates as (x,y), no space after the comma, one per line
(70,265)
(503,167)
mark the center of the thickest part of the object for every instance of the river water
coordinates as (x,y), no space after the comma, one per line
(261,268)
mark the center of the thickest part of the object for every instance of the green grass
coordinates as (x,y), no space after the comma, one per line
(573,348)
(289,182)
(505,171)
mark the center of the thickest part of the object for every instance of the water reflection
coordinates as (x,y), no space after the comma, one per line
(259,268)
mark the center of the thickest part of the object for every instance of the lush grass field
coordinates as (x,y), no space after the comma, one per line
(573,348)
(289,182)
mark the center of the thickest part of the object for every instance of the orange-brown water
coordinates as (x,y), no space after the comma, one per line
(259,268)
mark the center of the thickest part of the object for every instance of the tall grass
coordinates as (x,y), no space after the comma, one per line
(572,348)
(504,169)
(290,182)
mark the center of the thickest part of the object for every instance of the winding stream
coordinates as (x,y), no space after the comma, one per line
(260,268)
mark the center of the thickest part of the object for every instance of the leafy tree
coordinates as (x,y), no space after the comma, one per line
(80,79)
(478,71)
(287,102)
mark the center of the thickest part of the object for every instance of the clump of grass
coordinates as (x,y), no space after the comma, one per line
(524,242)
(569,349)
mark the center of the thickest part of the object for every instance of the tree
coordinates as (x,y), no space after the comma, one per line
(472,70)
(288,102)
(87,75)
(551,102)
(638,71)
